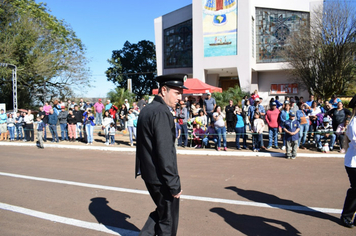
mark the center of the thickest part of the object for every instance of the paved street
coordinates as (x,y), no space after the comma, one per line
(93,192)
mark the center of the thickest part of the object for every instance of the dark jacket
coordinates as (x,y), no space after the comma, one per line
(78,116)
(71,119)
(52,119)
(156,158)
(62,117)
(229,110)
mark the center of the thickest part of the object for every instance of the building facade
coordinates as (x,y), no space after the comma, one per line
(229,42)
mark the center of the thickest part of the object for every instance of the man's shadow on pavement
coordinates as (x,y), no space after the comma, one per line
(280,203)
(111,219)
(255,225)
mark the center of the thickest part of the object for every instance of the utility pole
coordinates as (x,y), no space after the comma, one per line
(14,83)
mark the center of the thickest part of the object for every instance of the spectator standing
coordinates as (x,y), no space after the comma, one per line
(278,103)
(310,101)
(291,130)
(135,107)
(229,113)
(89,125)
(240,127)
(29,130)
(62,118)
(112,132)
(107,121)
(56,107)
(253,108)
(46,108)
(52,122)
(3,125)
(44,117)
(79,119)
(244,100)
(303,119)
(98,108)
(284,116)
(220,127)
(122,116)
(40,129)
(255,95)
(11,127)
(313,112)
(141,103)
(182,116)
(187,105)
(325,131)
(338,115)
(87,105)
(293,106)
(334,101)
(272,117)
(258,126)
(72,123)
(127,104)
(19,126)
(349,209)
(112,112)
(178,131)
(196,109)
(209,107)
(81,105)
(340,132)
(246,110)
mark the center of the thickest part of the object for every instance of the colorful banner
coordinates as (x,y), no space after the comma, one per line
(220,27)
(284,89)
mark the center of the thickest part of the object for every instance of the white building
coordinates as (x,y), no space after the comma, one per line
(229,42)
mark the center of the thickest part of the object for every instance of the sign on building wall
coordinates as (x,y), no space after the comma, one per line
(220,27)
(284,89)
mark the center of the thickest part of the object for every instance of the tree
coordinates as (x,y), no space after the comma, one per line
(321,54)
(50,58)
(118,95)
(135,61)
(233,93)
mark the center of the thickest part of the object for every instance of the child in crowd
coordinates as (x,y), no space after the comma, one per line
(40,129)
(112,131)
(325,131)
(198,136)
(258,126)
(340,132)
(291,129)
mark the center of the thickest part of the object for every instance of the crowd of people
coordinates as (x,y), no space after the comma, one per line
(199,122)
(294,122)
(70,121)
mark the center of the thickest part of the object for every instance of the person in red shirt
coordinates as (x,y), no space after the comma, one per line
(112,112)
(255,95)
(272,122)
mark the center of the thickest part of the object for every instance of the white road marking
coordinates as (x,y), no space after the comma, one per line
(204,152)
(188,197)
(69,221)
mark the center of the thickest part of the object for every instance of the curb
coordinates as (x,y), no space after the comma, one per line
(181,152)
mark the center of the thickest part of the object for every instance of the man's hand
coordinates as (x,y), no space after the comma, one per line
(178,195)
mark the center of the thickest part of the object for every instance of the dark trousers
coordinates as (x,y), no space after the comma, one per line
(240,132)
(350,201)
(53,129)
(29,132)
(230,126)
(209,117)
(256,141)
(184,135)
(164,220)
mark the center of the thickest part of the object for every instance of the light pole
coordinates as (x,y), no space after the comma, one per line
(14,83)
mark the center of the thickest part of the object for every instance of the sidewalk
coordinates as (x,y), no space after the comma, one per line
(122,144)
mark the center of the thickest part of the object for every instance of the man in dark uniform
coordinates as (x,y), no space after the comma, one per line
(156,159)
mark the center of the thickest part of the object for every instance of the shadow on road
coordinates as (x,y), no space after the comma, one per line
(255,225)
(280,203)
(111,219)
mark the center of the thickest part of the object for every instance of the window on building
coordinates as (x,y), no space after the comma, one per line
(178,46)
(253,36)
(273,27)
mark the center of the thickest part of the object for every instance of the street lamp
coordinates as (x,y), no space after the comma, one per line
(14,83)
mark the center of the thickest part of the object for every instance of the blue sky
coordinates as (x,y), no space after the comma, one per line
(105,25)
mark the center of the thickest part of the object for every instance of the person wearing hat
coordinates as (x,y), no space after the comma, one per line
(62,118)
(209,107)
(272,116)
(349,209)
(156,159)
(98,108)
(291,130)
(325,131)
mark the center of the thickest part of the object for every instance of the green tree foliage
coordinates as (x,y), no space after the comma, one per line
(49,56)
(118,95)
(322,54)
(233,93)
(135,61)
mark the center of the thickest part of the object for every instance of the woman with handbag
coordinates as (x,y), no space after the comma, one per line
(349,209)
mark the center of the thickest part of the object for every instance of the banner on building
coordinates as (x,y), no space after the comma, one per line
(220,27)
(284,88)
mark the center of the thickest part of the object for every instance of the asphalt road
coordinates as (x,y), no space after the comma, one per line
(89,192)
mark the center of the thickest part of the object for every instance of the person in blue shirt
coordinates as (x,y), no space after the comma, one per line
(291,129)
(310,101)
(3,125)
(40,128)
(334,100)
(278,103)
(52,122)
(240,128)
